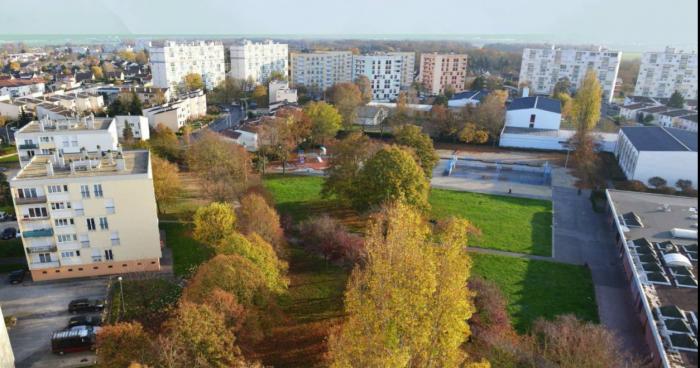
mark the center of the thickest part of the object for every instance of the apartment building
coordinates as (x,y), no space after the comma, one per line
(543,68)
(138,124)
(440,71)
(279,92)
(175,114)
(319,71)
(388,73)
(257,60)
(87,214)
(662,73)
(46,137)
(22,87)
(172,61)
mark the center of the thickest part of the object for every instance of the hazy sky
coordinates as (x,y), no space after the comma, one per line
(601,21)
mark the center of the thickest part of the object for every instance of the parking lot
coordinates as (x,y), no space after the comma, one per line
(40,309)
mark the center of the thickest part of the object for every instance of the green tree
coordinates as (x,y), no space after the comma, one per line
(278,76)
(412,136)
(676,100)
(127,133)
(409,305)
(213,223)
(657,182)
(346,97)
(563,86)
(478,83)
(365,87)
(135,105)
(392,174)
(227,92)
(260,252)
(166,182)
(193,81)
(164,143)
(349,155)
(325,121)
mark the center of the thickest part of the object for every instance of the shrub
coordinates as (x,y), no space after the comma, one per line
(664,189)
(657,182)
(633,185)
(328,238)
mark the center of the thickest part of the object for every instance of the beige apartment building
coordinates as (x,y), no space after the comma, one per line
(87,214)
(438,71)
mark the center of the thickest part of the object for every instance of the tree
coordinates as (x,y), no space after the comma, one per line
(392,174)
(222,166)
(127,133)
(120,344)
(213,223)
(449,91)
(566,102)
(277,75)
(127,55)
(227,92)
(325,121)
(193,82)
(563,86)
(657,182)
(478,83)
(471,134)
(166,182)
(346,97)
(14,66)
(585,113)
(259,95)
(255,215)
(442,123)
(158,98)
(408,306)
(164,143)
(135,104)
(141,57)
(349,155)
(684,184)
(283,133)
(490,114)
(412,136)
(260,252)
(677,101)
(365,87)
(97,72)
(327,237)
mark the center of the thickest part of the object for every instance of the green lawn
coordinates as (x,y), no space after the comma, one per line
(297,196)
(512,224)
(539,288)
(11,248)
(187,253)
(10,159)
(146,301)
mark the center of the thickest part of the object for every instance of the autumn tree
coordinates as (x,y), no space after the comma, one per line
(164,143)
(259,95)
(346,97)
(412,136)
(222,166)
(472,134)
(442,123)
(490,114)
(277,75)
(120,344)
(193,82)
(141,57)
(325,121)
(127,55)
(409,305)
(676,101)
(566,103)
(97,72)
(563,86)
(402,113)
(227,92)
(281,134)
(365,87)
(127,133)
(214,222)
(585,113)
(391,174)
(349,155)
(166,182)
(255,215)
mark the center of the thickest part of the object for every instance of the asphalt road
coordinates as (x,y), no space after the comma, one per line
(227,120)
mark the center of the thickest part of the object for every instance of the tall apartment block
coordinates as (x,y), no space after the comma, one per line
(543,68)
(662,73)
(438,71)
(172,61)
(388,73)
(258,60)
(320,70)
(87,214)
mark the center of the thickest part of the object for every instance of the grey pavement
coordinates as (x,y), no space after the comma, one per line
(41,308)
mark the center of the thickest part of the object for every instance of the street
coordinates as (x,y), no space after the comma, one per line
(228,120)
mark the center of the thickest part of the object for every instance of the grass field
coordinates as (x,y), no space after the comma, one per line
(539,288)
(146,301)
(11,248)
(187,253)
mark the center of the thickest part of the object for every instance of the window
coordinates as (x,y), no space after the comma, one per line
(60,205)
(64,222)
(67,254)
(27,193)
(115,238)
(108,255)
(109,206)
(65,238)
(85,191)
(103,223)
(44,257)
(38,212)
(91,224)
(56,188)
(98,190)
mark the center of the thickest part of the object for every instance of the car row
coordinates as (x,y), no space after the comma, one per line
(81,331)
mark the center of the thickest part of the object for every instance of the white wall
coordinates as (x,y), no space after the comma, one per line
(7,358)
(139,126)
(671,166)
(543,119)
(551,143)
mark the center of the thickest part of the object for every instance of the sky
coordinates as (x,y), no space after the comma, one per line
(643,22)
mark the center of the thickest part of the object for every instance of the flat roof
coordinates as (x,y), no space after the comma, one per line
(661,139)
(66,125)
(136,162)
(536,102)
(649,245)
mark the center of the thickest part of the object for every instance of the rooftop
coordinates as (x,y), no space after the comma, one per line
(661,139)
(19,82)
(536,102)
(665,265)
(67,125)
(85,164)
(470,95)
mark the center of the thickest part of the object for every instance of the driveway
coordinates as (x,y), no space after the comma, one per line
(42,308)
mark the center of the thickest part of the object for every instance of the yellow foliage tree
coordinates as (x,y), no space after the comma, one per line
(585,109)
(193,81)
(213,223)
(166,182)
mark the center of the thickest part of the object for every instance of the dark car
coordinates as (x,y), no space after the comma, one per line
(85,305)
(8,233)
(80,338)
(84,320)
(17,276)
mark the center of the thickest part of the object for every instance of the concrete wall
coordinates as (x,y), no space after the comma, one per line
(7,358)
(531,141)
(543,119)
(669,165)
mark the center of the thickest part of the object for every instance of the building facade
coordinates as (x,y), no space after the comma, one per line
(279,92)
(440,71)
(388,73)
(172,61)
(175,114)
(543,68)
(87,214)
(137,123)
(257,60)
(319,71)
(22,87)
(662,73)
(7,358)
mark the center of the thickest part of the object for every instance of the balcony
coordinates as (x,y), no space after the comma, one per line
(39,233)
(28,146)
(116,241)
(30,200)
(41,249)
(26,218)
(85,244)
(40,265)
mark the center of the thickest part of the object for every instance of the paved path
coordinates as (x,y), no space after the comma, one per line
(509,254)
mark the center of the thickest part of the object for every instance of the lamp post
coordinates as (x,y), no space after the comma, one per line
(121,292)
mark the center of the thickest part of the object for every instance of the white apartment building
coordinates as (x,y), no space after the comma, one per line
(22,87)
(137,123)
(279,92)
(47,137)
(662,73)
(172,61)
(319,71)
(438,71)
(87,214)
(257,60)
(388,73)
(175,114)
(543,68)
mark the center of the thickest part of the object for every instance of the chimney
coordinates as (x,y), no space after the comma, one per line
(526,91)
(49,168)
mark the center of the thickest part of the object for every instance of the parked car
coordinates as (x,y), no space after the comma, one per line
(85,305)
(17,276)
(81,338)
(84,320)
(8,233)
